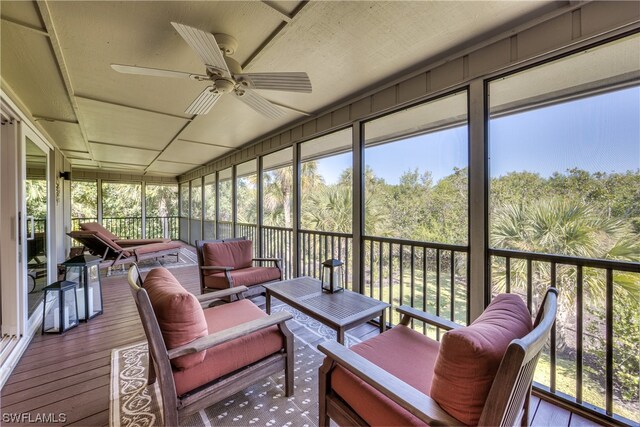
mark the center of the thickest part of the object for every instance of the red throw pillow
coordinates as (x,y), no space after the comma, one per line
(469,357)
(179,314)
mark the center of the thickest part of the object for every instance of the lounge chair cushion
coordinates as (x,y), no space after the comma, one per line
(94,226)
(98,247)
(469,357)
(236,254)
(156,247)
(137,242)
(404,353)
(180,316)
(245,277)
(233,355)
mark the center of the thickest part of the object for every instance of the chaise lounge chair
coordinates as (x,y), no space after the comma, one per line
(113,254)
(94,226)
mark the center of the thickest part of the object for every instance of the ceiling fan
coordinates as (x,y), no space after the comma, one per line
(226,75)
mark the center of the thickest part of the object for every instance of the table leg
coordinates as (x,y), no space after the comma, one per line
(268,302)
(383,321)
(340,336)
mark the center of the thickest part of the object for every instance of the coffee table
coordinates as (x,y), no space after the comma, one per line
(340,311)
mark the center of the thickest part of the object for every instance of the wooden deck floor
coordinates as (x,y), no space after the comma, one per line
(70,373)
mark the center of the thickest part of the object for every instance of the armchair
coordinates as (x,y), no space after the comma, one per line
(477,375)
(201,355)
(227,263)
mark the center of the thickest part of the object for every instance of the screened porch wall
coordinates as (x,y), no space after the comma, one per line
(577,27)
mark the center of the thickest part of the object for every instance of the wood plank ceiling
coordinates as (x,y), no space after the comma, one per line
(56,56)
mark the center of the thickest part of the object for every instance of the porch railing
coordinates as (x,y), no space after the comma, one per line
(277,242)
(429,276)
(166,227)
(585,363)
(318,246)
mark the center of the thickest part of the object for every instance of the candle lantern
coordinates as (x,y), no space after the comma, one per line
(63,314)
(331,275)
(84,269)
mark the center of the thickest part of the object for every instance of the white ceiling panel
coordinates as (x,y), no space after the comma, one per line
(67,135)
(169,168)
(119,125)
(191,152)
(126,155)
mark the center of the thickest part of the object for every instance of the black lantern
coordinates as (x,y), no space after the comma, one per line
(63,315)
(84,269)
(331,275)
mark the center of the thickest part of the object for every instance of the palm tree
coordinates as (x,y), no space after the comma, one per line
(558,226)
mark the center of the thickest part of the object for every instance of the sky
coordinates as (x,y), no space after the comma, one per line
(598,134)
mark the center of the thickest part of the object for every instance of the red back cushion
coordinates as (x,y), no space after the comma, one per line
(469,357)
(236,254)
(94,226)
(179,314)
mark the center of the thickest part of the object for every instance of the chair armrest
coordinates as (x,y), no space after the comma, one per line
(427,318)
(221,293)
(409,398)
(216,267)
(221,337)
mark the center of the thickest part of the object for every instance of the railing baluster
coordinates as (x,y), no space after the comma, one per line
(507,269)
(413,284)
(424,286)
(579,324)
(453,286)
(609,343)
(529,284)
(391,284)
(371,268)
(438,290)
(401,264)
(552,346)
(380,271)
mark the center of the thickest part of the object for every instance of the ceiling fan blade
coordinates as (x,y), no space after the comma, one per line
(203,103)
(205,45)
(287,81)
(145,71)
(258,103)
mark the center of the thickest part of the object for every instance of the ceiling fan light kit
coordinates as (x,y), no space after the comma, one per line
(225,75)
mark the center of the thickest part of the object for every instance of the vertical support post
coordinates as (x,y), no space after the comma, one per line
(478,185)
(202,205)
(358,206)
(99,201)
(189,213)
(297,189)
(217,209)
(143,209)
(260,212)
(234,201)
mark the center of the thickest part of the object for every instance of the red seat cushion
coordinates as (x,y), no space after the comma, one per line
(235,254)
(157,247)
(94,226)
(404,353)
(244,277)
(233,355)
(179,315)
(469,357)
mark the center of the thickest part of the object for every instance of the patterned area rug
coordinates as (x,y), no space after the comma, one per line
(133,403)
(187,258)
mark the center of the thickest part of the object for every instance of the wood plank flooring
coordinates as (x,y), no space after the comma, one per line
(70,373)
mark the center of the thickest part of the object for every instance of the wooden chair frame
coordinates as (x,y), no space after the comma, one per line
(507,403)
(176,408)
(254,290)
